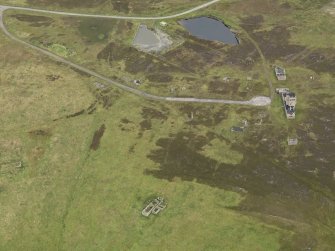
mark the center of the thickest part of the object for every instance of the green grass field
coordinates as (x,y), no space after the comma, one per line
(91,158)
(68,197)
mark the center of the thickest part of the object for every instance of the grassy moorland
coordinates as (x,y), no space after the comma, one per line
(191,67)
(77,192)
(126,7)
(92,157)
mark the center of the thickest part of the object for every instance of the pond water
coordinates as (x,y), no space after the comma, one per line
(209,29)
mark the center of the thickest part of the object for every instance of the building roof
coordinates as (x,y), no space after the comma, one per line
(280,71)
(236,129)
(290,94)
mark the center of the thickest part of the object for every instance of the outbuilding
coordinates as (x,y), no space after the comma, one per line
(280,73)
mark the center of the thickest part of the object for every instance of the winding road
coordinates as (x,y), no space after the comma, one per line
(256,101)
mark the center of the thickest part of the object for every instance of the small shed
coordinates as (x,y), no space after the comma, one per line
(282,90)
(137,82)
(280,73)
(226,79)
(292,142)
(236,129)
(163,24)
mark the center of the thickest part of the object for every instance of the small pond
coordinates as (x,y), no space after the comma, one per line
(211,29)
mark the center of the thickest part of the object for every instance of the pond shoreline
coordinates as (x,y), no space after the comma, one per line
(210,28)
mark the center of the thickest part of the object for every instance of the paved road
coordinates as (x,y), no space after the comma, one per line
(256,101)
(111,16)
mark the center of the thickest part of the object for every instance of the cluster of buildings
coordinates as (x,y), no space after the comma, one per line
(289,101)
(289,98)
(154,207)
